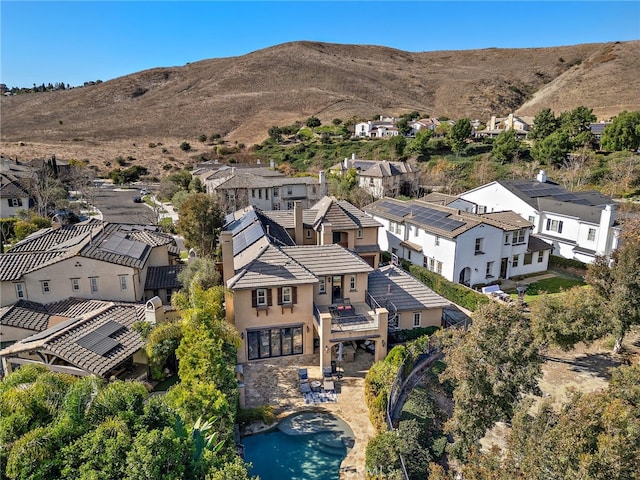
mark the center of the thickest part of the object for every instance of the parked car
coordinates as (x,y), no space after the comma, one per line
(137,199)
(144,192)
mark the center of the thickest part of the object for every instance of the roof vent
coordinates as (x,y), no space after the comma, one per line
(542,176)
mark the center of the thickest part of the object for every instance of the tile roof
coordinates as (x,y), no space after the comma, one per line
(536,244)
(250,180)
(14,265)
(439,198)
(403,290)
(324,260)
(163,277)
(506,220)
(73,340)
(25,314)
(271,267)
(12,187)
(341,215)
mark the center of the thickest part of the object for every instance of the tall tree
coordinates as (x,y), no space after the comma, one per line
(491,366)
(459,134)
(200,220)
(398,144)
(553,149)
(420,144)
(623,133)
(505,146)
(544,124)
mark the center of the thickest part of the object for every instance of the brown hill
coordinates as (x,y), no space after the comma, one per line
(241,97)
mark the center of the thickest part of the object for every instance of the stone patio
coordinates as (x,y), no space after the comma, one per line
(275,382)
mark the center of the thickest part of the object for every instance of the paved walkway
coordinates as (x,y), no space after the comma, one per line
(512,284)
(275,382)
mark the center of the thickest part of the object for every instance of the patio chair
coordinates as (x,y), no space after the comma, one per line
(303,376)
(326,373)
(305,388)
(329,386)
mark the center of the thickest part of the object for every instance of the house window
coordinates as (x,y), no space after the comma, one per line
(261,297)
(20,290)
(532,219)
(289,191)
(253,193)
(266,193)
(75,284)
(276,206)
(352,282)
(308,233)
(425,262)
(322,286)
(276,192)
(169,293)
(506,238)
(515,260)
(518,237)
(527,258)
(416,232)
(313,189)
(540,256)
(489,269)
(93,282)
(554,225)
(287,296)
(417,317)
(290,205)
(482,209)
(274,342)
(15,202)
(408,254)
(359,233)
(439,268)
(437,240)
(123,282)
(478,247)
(591,236)
(260,193)
(46,286)
(432,264)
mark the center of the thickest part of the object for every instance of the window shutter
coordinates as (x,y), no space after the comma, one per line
(560,226)
(294,294)
(269,297)
(548,223)
(254,298)
(279,295)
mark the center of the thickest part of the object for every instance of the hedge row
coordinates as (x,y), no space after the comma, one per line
(555,261)
(458,294)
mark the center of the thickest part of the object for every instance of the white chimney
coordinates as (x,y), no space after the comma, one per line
(353,156)
(226,244)
(322,181)
(346,163)
(542,176)
(272,164)
(154,311)
(258,161)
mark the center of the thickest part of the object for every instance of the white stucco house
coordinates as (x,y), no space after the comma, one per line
(579,225)
(384,127)
(463,247)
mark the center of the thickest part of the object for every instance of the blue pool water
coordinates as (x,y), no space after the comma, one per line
(304,446)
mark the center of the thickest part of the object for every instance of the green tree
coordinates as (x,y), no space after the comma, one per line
(420,144)
(336,121)
(313,122)
(403,126)
(200,220)
(275,133)
(459,134)
(491,366)
(398,144)
(623,133)
(185,146)
(505,146)
(201,272)
(553,149)
(544,124)
(202,138)
(577,121)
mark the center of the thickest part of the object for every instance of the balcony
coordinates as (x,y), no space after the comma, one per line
(346,318)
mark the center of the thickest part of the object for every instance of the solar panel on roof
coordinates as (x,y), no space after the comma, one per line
(247,237)
(118,243)
(243,222)
(99,340)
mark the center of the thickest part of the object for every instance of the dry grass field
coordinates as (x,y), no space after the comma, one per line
(241,97)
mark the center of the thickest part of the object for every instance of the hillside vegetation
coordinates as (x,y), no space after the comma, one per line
(239,98)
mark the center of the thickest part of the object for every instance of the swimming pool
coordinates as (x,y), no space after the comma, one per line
(307,445)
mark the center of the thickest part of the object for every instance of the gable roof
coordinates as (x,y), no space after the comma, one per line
(164,277)
(324,260)
(25,314)
(12,187)
(272,267)
(341,215)
(96,342)
(390,283)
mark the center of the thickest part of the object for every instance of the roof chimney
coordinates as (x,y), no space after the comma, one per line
(154,311)
(542,176)
(226,243)
(258,161)
(297,223)
(272,164)
(353,156)
(322,181)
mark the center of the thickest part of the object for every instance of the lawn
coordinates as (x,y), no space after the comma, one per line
(549,286)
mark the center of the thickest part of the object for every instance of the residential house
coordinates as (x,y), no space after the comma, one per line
(384,127)
(495,126)
(331,221)
(382,178)
(579,225)
(597,129)
(451,201)
(79,337)
(91,259)
(462,247)
(428,123)
(163,282)
(262,188)
(14,195)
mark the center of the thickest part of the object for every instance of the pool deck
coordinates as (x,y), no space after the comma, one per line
(275,382)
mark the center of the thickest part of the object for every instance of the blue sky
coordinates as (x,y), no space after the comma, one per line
(77,41)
